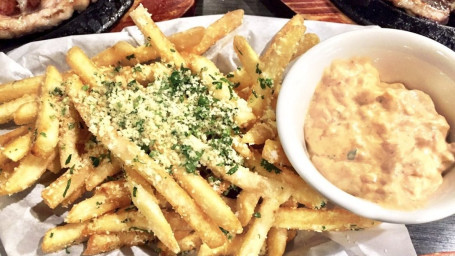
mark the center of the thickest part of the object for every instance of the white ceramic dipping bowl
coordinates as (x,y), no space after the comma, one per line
(418,62)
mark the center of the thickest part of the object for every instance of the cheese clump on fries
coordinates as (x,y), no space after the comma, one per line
(175,112)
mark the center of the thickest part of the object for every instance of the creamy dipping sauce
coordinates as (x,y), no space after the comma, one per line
(374,140)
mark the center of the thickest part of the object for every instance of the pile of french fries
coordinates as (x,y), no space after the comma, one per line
(125,198)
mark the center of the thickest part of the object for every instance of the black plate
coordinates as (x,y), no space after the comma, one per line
(384,14)
(98,17)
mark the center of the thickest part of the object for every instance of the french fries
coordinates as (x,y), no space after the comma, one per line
(47,123)
(226,188)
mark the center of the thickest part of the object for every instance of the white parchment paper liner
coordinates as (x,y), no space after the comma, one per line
(24,218)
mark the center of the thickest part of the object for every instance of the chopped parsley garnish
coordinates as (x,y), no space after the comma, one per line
(172,50)
(117,69)
(134,191)
(51,235)
(68,184)
(351,154)
(57,92)
(226,233)
(137,68)
(68,159)
(85,87)
(257,214)
(130,57)
(254,93)
(43,134)
(233,170)
(265,82)
(258,71)
(269,167)
(95,161)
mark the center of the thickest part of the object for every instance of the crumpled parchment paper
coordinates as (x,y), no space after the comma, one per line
(24,218)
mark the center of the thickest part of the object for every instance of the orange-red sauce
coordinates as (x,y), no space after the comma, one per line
(378,141)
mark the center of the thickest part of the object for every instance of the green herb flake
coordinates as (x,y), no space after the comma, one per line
(172,50)
(68,184)
(226,233)
(269,167)
(67,250)
(57,92)
(51,235)
(351,154)
(258,71)
(95,161)
(233,170)
(265,82)
(257,215)
(129,57)
(43,134)
(68,159)
(134,191)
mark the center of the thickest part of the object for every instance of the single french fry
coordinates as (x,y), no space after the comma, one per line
(273,153)
(176,221)
(306,42)
(17,89)
(61,237)
(69,182)
(329,220)
(242,81)
(109,57)
(99,243)
(26,174)
(108,197)
(84,67)
(7,170)
(8,109)
(26,114)
(47,121)
(275,59)
(8,137)
(100,173)
(54,165)
(248,57)
(155,174)
(19,147)
(231,247)
(127,219)
(69,134)
(184,41)
(167,50)
(189,242)
(261,224)
(75,195)
(218,30)
(145,200)
(246,203)
(276,241)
